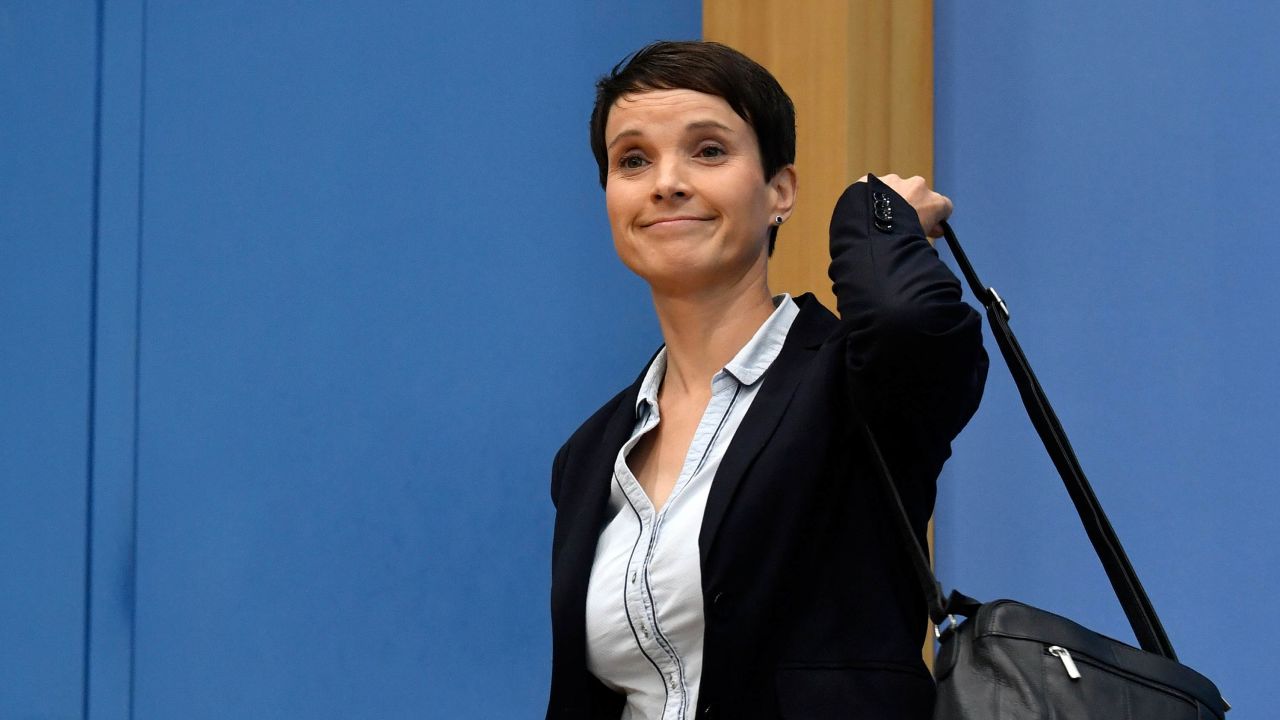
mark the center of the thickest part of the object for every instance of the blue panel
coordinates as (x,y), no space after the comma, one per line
(1114,174)
(47,82)
(378,291)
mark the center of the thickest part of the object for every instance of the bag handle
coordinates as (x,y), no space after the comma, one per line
(1124,580)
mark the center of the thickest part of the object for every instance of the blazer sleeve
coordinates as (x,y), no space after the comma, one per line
(913,347)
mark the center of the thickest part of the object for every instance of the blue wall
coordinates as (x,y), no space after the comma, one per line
(295,307)
(298,304)
(1114,172)
(46,258)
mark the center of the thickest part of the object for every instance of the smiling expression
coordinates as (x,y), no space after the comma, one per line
(687,199)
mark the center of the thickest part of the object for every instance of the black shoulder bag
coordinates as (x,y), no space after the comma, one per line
(1010,661)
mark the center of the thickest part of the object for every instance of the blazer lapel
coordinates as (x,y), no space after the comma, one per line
(586,500)
(593,490)
(807,333)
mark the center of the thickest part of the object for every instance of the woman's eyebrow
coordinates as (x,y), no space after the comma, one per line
(695,125)
(625,133)
(708,124)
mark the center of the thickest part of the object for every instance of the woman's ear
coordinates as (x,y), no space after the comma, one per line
(783,186)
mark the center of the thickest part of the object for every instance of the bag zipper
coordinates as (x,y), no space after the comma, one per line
(1073,671)
(1064,655)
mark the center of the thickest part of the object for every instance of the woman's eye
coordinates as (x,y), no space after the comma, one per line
(631,162)
(711,151)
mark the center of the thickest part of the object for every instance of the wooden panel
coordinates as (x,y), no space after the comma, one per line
(861,75)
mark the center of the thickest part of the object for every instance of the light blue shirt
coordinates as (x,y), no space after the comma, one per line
(645,616)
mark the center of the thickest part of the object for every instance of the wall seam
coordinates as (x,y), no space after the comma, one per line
(95,215)
(137,361)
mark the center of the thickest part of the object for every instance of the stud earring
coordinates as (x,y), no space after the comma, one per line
(777,220)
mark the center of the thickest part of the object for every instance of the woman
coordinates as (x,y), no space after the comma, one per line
(719,548)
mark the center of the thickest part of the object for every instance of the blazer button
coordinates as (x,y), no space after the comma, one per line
(883,213)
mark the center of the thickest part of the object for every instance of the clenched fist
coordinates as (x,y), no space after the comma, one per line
(932,207)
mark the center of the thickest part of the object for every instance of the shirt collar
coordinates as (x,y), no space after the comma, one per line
(747,366)
(652,381)
(760,351)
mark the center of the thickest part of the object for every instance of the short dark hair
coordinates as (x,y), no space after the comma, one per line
(711,68)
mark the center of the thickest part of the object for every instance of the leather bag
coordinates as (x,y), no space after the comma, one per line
(1011,661)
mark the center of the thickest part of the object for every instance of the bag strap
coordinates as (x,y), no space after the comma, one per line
(1124,580)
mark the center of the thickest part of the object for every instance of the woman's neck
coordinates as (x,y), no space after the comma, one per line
(704,332)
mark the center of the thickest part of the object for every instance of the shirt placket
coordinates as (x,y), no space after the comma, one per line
(640,609)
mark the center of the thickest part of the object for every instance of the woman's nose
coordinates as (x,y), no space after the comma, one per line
(669,181)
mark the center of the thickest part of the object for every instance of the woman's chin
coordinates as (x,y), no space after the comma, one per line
(689,279)
(688,268)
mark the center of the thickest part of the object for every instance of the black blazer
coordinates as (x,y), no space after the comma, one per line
(811,608)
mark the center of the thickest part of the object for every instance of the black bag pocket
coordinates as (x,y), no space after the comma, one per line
(1014,661)
(1095,684)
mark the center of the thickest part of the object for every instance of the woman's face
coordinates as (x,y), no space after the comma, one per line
(687,198)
